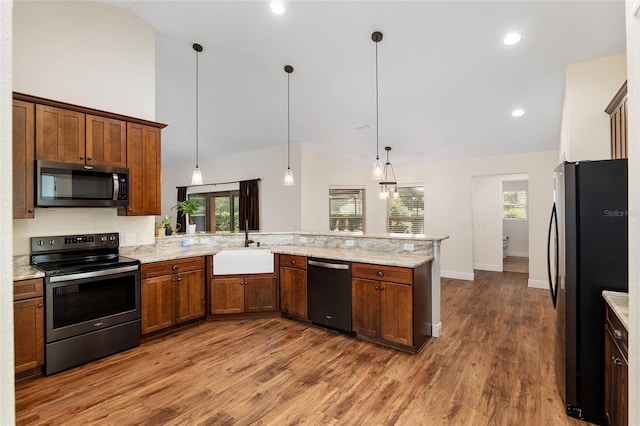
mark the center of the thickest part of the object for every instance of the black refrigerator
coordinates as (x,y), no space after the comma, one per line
(587,253)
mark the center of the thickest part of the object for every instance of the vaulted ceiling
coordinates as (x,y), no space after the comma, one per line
(447,83)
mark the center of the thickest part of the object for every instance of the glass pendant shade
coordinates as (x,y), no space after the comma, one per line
(196,177)
(377,173)
(288,178)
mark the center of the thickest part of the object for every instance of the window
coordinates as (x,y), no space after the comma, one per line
(219,211)
(346,209)
(405,214)
(515,205)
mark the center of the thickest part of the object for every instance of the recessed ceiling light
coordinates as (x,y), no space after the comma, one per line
(517,112)
(512,38)
(277,7)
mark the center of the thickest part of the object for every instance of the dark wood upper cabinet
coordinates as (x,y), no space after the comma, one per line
(23,159)
(617,110)
(59,135)
(106,143)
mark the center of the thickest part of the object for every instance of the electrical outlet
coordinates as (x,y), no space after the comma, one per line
(408,246)
(303,239)
(349,243)
(123,237)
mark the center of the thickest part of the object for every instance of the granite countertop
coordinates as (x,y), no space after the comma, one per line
(155,253)
(619,302)
(148,254)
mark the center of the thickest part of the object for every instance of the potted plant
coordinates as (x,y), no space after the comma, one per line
(162,226)
(188,207)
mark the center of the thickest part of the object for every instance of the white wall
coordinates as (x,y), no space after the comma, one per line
(516,230)
(589,87)
(633,104)
(7,396)
(89,54)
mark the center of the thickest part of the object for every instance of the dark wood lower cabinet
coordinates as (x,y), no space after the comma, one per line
(616,372)
(293,291)
(172,292)
(235,294)
(28,323)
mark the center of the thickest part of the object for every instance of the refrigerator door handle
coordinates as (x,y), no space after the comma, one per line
(553,227)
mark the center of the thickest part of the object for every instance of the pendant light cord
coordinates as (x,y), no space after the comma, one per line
(288,128)
(197,79)
(377,127)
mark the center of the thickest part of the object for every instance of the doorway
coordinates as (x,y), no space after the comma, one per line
(515,224)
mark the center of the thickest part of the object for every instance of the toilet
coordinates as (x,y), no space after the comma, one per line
(505,244)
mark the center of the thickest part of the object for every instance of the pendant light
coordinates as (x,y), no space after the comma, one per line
(288,176)
(377,172)
(388,188)
(196,177)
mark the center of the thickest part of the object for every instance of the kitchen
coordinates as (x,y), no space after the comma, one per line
(137,77)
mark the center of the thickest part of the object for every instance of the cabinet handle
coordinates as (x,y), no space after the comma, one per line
(174,267)
(617,334)
(130,209)
(380,274)
(304,275)
(381,288)
(173,280)
(179,278)
(39,305)
(377,288)
(89,158)
(617,361)
(82,157)
(30,211)
(293,261)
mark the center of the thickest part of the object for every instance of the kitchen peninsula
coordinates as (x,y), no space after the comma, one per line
(407,266)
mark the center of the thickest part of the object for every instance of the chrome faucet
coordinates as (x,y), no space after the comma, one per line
(247,241)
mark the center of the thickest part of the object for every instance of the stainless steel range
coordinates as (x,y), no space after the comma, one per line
(92,298)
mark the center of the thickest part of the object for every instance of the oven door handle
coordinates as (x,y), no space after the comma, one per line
(92,274)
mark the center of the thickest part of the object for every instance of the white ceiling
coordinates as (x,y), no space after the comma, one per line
(447,82)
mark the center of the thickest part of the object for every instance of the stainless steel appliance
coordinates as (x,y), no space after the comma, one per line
(329,293)
(588,253)
(92,298)
(78,185)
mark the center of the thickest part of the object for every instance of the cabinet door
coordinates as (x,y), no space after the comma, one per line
(396,311)
(158,303)
(143,161)
(28,322)
(60,135)
(227,295)
(261,294)
(23,159)
(190,295)
(365,307)
(293,291)
(616,382)
(106,142)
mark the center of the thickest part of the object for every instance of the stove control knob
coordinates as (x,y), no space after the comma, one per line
(112,238)
(52,242)
(40,242)
(103,239)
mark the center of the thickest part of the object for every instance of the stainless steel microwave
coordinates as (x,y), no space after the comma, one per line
(79,185)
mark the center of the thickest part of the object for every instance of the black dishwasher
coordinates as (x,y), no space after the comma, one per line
(329,293)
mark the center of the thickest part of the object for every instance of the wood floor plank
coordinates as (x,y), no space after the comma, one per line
(491,366)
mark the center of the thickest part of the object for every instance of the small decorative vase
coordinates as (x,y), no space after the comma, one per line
(167,230)
(191,229)
(160,232)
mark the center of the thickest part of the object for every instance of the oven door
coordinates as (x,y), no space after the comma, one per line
(85,302)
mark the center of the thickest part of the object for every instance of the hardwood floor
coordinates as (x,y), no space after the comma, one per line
(515,264)
(493,365)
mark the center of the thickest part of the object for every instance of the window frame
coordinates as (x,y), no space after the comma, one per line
(524,205)
(209,208)
(345,190)
(389,218)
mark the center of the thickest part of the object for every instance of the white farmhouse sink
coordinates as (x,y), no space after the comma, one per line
(243,261)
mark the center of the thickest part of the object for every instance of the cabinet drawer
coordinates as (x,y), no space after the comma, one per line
(618,331)
(27,289)
(293,261)
(156,269)
(394,274)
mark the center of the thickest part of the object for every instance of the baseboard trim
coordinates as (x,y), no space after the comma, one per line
(467,276)
(517,253)
(487,267)
(436,329)
(538,284)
